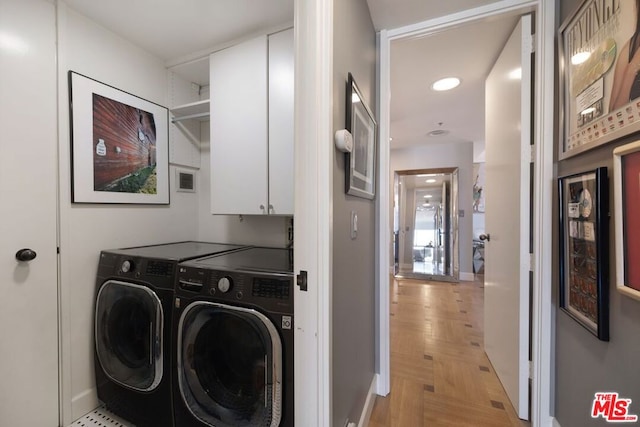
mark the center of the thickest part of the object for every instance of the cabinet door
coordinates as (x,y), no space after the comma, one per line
(281,123)
(238,84)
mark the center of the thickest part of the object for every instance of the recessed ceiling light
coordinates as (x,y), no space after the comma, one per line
(428,196)
(430,181)
(447,83)
(580,57)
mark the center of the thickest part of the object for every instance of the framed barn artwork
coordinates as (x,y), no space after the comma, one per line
(119,145)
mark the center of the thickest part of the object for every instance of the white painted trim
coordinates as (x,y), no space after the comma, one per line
(465,16)
(555,423)
(368,404)
(83,403)
(543,322)
(384,225)
(543,129)
(467,277)
(313,34)
(64,319)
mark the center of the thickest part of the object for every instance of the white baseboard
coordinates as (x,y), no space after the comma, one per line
(368,404)
(467,277)
(83,403)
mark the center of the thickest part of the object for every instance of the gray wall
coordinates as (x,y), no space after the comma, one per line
(353,260)
(585,365)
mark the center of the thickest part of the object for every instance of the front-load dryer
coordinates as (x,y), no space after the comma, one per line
(134,297)
(233,334)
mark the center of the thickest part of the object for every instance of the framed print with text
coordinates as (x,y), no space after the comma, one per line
(584,272)
(599,61)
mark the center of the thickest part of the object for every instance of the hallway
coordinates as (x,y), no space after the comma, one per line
(440,375)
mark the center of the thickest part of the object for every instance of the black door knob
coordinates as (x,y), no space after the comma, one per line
(486,237)
(25,255)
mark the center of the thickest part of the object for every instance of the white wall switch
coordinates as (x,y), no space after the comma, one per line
(354,225)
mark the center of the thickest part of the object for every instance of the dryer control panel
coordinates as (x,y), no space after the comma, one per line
(269,292)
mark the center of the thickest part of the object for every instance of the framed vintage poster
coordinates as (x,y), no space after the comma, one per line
(626,171)
(599,61)
(584,289)
(119,145)
(360,163)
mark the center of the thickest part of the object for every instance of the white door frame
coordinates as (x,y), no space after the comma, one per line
(543,108)
(314,152)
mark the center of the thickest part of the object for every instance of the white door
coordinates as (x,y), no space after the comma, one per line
(506,292)
(28,159)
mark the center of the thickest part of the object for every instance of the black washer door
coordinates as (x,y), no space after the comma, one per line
(230,365)
(129,334)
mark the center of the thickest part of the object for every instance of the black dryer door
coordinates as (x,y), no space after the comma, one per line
(128,331)
(230,366)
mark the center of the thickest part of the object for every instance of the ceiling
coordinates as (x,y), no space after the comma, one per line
(171,29)
(467,52)
(177,29)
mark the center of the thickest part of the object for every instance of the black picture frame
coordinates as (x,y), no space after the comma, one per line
(584,236)
(360,163)
(119,145)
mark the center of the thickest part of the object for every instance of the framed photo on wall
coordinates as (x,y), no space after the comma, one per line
(584,289)
(119,145)
(626,170)
(599,60)
(360,164)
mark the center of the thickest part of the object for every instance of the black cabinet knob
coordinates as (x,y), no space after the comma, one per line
(25,255)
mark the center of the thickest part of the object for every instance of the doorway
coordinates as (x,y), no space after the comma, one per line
(543,172)
(426,224)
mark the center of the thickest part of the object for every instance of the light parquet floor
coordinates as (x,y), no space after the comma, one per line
(440,374)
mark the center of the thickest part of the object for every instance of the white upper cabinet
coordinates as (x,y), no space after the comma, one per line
(251,90)
(281,123)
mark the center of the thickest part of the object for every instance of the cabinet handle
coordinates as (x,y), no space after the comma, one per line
(271,210)
(262,208)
